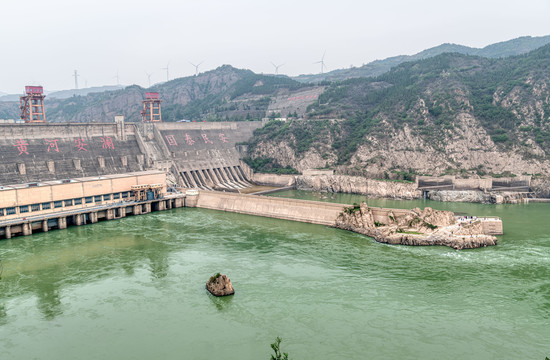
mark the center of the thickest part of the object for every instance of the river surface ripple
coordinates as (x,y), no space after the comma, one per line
(134,289)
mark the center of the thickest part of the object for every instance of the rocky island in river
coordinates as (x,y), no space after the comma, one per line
(420,227)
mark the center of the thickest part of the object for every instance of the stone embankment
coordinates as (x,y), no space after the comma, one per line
(359,185)
(476,196)
(417,227)
(400,190)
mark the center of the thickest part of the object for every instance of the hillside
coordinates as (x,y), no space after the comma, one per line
(450,114)
(225,93)
(513,47)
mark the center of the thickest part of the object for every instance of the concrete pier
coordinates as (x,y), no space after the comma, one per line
(61,220)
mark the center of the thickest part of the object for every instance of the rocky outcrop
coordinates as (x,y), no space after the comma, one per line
(220,285)
(416,227)
(358,185)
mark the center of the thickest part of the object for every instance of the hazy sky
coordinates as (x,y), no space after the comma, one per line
(44,41)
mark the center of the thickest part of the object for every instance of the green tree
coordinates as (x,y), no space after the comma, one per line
(276,346)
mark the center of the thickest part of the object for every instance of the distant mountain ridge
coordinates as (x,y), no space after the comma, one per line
(63,94)
(512,47)
(227,93)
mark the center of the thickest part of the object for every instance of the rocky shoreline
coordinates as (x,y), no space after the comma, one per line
(417,227)
(400,190)
(359,185)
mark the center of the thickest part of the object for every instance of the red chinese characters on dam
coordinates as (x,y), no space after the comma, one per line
(189,140)
(52,145)
(21,146)
(80,144)
(171,139)
(107,142)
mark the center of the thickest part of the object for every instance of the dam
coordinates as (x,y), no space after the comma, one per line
(56,175)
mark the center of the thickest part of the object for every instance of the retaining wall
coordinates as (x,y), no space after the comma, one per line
(287,209)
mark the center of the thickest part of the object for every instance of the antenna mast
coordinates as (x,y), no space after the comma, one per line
(76,79)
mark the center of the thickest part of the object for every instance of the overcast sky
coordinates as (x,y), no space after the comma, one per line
(43,42)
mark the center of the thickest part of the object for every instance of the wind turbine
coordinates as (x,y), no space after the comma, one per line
(149,77)
(167,73)
(322,62)
(276,67)
(196,67)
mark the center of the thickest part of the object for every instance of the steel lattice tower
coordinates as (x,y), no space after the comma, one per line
(32,105)
(151,108)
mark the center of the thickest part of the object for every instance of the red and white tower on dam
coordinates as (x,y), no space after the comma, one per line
(151,108)
(32,105)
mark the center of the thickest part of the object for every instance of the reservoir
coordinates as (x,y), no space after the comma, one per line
(133,288)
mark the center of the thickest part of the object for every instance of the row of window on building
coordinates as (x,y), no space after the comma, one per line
(23,209)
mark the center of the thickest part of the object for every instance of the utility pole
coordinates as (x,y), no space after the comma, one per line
(76,79)
(148,77)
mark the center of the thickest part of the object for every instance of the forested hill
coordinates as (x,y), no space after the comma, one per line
(225,93)
(512,47)
(450,114)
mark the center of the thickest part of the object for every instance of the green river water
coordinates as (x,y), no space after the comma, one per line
(134,289)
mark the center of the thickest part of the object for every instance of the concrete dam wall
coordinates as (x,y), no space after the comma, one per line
(41,152)
(197,155)
(204,154)
(287,209)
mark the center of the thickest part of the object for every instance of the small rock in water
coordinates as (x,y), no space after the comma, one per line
(220,285)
